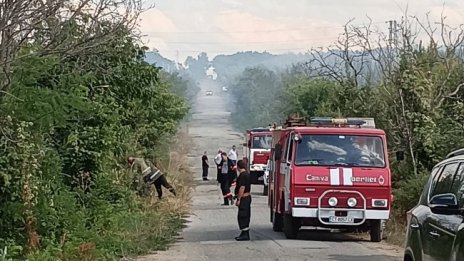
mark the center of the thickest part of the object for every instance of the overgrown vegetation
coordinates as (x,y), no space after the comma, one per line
(76,98)
(413,88)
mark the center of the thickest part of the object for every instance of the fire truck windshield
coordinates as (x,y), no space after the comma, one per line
(262,142)
(340,150)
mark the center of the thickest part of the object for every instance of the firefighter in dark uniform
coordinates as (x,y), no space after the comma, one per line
(151,175)
(242,192)
(227,177)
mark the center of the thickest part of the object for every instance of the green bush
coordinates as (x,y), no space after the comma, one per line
(66,128)
(407,192)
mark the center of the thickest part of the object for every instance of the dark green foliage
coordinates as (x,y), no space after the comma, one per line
(66,128)
(255,94)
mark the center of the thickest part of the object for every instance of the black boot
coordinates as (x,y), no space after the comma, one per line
(172,191)
(226,202)
(244,236)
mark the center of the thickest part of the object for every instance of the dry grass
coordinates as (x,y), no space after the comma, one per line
(179,175)
(395,229)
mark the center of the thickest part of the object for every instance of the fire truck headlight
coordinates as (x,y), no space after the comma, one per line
(382,203)
(302,201)
(351,202)
(333,201)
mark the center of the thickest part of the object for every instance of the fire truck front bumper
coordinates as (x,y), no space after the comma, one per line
(329,217)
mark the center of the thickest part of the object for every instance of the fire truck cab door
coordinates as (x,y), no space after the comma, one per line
(286,170)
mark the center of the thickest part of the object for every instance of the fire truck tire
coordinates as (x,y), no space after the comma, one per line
(291,226)
(376,231)
(277,222)
(265,190)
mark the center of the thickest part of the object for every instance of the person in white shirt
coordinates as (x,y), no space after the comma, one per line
(217,160)
(233,155)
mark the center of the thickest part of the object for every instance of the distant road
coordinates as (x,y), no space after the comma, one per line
(212,227)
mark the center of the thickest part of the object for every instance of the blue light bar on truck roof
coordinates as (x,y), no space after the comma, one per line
(259,130)
(360,122)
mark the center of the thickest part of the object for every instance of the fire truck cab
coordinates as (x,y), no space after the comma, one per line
(256,153)
(330,173)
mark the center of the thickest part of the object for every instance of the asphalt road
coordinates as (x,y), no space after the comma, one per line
(211,229)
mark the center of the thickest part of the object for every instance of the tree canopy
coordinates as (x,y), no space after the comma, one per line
(77,99)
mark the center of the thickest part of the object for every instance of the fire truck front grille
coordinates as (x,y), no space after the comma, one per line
(333,208)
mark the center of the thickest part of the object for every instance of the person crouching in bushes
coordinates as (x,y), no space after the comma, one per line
(151,175)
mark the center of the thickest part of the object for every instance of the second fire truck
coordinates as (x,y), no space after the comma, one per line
(256,153)
(330,173)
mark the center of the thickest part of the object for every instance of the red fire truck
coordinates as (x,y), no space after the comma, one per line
(330,173)
(256,152)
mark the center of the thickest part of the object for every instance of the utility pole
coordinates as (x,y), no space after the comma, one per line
(392,33)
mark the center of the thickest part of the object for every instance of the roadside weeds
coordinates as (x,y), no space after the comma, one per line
(395,230)
(172,210)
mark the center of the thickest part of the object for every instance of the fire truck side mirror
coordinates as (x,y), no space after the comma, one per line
(400,155)
(277,152)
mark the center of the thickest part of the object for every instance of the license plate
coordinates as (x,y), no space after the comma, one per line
(341,219)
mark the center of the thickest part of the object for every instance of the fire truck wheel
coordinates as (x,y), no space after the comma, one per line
(291,226)
(376,231)
(277,222)
(265,190)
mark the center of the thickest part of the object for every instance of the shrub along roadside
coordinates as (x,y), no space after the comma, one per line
(67,125)
(137,225)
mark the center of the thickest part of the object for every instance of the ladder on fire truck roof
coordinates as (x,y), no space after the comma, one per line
(295,121)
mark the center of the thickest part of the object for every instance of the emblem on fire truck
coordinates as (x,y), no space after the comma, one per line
(381,180)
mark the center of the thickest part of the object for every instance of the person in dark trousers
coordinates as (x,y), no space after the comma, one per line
(228,175)
(205,166)
(242,191)
(151,175)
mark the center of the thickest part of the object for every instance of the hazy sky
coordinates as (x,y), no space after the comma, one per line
(181,28)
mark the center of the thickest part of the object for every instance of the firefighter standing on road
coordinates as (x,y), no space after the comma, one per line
(242,191)
(218,160)
(227,177)
(151,175)
(205,166)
